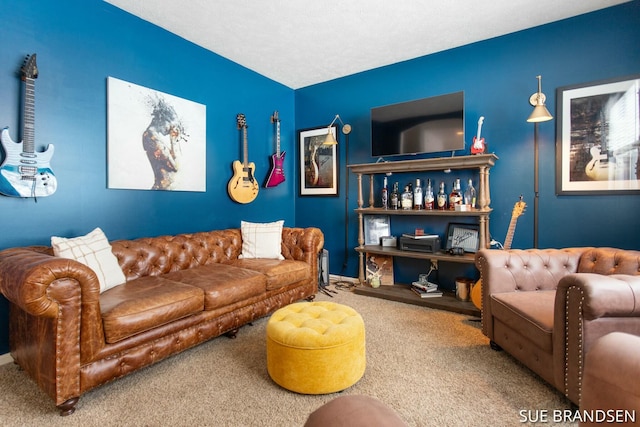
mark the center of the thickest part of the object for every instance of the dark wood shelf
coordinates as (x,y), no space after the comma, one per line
(467,258)
(419,165)
(403,293)
(423,212)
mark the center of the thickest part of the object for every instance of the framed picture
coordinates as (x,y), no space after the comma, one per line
(380,266)
(375,227)
(463,236)
(598,137)
(156,141)
(318,163)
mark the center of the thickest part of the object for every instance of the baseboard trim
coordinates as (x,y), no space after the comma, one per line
(5,358)
(337,277)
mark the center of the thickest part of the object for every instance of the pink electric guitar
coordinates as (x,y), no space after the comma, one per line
(276,175)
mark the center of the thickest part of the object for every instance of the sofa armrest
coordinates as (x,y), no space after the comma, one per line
(587,307)
(520,270)
(62,290)
(302,244)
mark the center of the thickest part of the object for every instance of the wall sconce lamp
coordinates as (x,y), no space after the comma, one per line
(330,139)
(539,114)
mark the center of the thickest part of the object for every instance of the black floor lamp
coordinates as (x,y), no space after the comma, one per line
(331,140)
(539,114)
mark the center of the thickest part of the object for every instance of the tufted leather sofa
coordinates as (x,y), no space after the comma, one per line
(546,307)
(181,291)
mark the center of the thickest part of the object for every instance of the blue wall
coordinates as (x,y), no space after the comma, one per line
(79,43)
(497,77)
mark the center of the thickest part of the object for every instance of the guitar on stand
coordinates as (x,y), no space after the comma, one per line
(243,187)
(478,146)
(518,209)
(276,175)
(24,172)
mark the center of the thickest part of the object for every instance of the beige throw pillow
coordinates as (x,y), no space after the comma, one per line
(94,251)
(261,240)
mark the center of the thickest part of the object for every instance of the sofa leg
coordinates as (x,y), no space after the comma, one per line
(232,333)
(311,297)
(68,407)
(494,346)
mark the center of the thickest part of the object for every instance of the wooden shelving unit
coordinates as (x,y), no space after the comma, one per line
(483,164)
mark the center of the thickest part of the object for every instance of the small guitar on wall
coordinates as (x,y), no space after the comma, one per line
(243,187)
(478,146)
(276,175)
(518,209)
(25,172)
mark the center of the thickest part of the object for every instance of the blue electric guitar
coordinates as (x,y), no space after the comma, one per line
(25,172)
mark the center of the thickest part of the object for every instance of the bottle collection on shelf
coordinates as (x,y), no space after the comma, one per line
(417,198)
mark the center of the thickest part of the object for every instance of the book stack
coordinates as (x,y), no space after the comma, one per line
(428,290)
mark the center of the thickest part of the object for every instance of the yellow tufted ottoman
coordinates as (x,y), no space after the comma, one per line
(316,347)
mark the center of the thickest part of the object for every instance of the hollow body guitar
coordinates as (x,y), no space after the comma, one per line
(25,172)
(518,209)
(243,187)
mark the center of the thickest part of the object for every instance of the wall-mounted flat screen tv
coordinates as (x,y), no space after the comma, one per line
(428,125)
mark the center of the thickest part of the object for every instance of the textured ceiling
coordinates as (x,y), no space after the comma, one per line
(303,42)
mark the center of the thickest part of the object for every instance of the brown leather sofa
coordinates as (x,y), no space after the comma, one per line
(180,291)
(546,307)
(611,386)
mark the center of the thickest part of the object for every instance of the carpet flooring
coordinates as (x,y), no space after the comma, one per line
(434,368)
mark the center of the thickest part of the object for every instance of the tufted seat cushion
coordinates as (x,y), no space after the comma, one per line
(278,273)
(531,315)
(316,347)
(222,284)
(145,304)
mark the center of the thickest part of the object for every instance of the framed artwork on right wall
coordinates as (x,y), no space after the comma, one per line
(598,137)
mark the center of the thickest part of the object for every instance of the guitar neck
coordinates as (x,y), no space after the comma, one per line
(28,116)
(278,138)
(245,146)
(510,232)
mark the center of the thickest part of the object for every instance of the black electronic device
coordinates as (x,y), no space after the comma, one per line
(428,125)
(427,244)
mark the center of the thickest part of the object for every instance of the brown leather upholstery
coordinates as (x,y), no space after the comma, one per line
(546,307)
(611,386)
(354,411)
(70,338)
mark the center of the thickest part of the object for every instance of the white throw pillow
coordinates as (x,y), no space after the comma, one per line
(262,240)
(94,251)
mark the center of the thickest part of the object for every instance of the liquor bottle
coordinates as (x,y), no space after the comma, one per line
(455,198)
(442,197)
(428,196)
(470,195)
(395,197)
(406,200)
(417,195)
(385,195)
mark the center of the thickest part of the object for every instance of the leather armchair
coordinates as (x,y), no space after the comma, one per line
(546,307)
